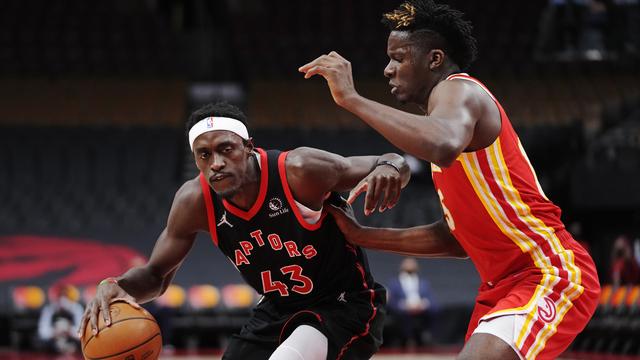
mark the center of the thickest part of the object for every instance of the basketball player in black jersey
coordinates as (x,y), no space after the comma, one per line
(264,210)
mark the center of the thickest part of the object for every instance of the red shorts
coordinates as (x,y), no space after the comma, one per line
(556,309)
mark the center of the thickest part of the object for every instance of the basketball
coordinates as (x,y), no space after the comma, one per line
(133,335)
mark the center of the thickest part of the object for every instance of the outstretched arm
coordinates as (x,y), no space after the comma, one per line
(312,173)
(433,240)
(145,283)
(439,137)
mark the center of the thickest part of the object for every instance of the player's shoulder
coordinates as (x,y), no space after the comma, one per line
(462,90)
(190,193)
(304,161)
(458,85)
(300,155)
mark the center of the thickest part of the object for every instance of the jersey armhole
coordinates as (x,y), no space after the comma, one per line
(282,171)
(210,211)
(501,112)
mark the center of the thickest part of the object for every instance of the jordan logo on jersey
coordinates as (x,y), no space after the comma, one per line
(275,205)
(223,220)
(341,297)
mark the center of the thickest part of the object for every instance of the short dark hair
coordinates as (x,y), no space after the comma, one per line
(221,109)
(451,31)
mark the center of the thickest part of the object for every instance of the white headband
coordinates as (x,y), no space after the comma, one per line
(217,123)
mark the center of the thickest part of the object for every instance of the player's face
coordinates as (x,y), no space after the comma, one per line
(408,69)
(223,158)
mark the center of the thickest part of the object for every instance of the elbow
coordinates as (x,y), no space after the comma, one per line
(450,244)
(458,252)
(446,153)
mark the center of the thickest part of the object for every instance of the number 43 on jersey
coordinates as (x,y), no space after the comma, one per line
(304,286)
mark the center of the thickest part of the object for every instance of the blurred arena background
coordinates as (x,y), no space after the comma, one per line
(94,95)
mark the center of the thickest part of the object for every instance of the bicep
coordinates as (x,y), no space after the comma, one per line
(312,173)
(178,237)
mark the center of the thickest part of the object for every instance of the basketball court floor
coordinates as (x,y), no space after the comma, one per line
(6,354)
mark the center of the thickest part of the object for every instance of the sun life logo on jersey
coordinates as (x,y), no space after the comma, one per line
(275,205)
(546,309)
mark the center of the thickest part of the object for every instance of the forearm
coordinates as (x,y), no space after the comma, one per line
(413,134)
(433,240)
(142,283)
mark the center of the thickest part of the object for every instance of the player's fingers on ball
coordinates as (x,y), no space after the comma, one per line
(83,323)
(129,300)
(93,318)
(356,191)
(104,309)
(133,303)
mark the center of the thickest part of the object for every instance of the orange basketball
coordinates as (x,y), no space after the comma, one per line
(133,335)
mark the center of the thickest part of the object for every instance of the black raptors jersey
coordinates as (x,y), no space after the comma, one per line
(278,253)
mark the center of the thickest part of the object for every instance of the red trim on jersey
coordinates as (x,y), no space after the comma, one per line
(284,327)
(262,193)
(208,201)
(366,328)
(374,311)
(292,202)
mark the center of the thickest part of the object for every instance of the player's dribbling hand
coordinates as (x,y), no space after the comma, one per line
(106,294)
(337,71)
(383,186)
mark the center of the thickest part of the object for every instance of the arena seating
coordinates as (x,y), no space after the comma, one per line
(80,38)
(615,326)
(78,179)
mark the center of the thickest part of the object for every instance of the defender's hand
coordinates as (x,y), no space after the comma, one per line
(383,186)
(106,294)
(337,71)
(346,221)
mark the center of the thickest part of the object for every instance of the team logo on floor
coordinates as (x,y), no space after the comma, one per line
(547,309)
(275,205)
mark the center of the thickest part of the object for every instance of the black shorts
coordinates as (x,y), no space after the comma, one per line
(352,323)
